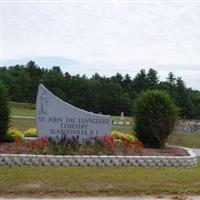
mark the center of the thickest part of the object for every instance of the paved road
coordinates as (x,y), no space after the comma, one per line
(23,117)
(115,198)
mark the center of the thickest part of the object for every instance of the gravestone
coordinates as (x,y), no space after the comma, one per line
(54,117)
(127,123)
(122,116)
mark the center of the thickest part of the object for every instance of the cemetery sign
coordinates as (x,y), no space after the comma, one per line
(54,117)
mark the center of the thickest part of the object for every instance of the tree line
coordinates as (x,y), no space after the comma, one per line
(99,94)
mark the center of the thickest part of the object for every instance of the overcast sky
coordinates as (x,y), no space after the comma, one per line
(105,37)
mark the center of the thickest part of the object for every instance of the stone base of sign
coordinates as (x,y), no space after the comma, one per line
(98,161)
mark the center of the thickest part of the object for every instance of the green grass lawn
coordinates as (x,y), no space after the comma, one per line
(123,129)
(22,112)
(98,181)
(185,139)
(22,109)
(127,119)
(22,124)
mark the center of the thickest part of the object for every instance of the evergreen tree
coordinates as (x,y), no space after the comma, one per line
(53,79)
(98,93)
(139,83)
(127,84)
(4,112)
(152,79)
(171,79)
(35,74)
(182,98)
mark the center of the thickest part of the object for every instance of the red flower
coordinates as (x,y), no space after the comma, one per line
(138,143)
(17,143)
(109,141)
(108,138)
(104,137)
(43,141)
(110,145)
(125,144)
(31,144)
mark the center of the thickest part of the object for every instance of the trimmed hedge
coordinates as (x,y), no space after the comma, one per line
(14,134)
(31,132)
(4,112)
(123,136)
(155,117)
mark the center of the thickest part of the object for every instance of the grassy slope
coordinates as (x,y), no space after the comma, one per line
(22,124)
(22,112)
(103,181)
(185,139)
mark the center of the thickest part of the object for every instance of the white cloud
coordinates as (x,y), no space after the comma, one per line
(112,36)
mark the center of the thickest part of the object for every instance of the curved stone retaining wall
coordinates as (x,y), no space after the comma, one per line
(134,161)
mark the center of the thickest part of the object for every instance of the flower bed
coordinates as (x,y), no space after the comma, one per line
(106,151)
(106,145)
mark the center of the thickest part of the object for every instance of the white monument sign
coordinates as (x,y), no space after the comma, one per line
(55,117)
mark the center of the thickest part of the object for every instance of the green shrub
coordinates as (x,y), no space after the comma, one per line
(4,112)
(155,117)
(123,136)
(31,132)
(14,134)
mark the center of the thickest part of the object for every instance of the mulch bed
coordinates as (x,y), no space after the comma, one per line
(10,148)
